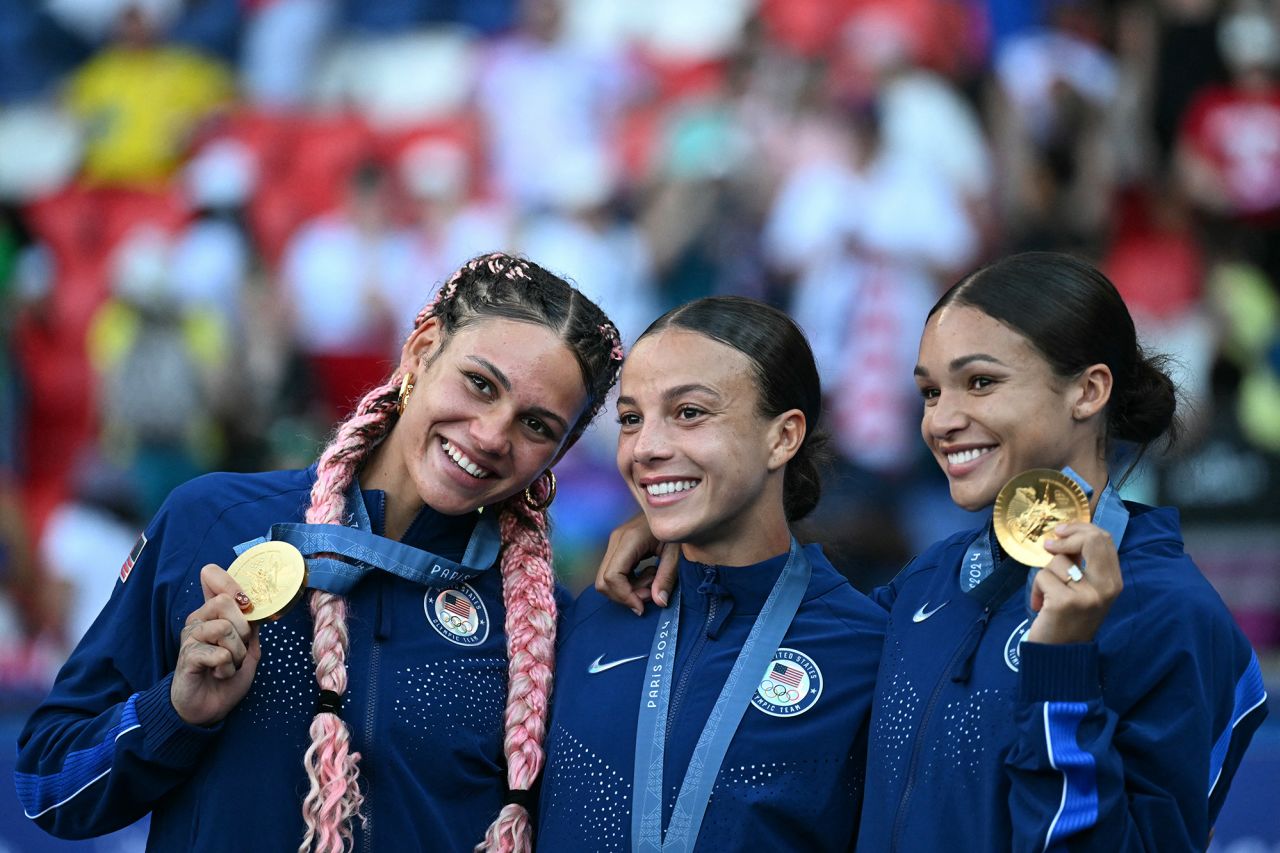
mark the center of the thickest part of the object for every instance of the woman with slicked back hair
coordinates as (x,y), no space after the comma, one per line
(1101,700)
(404,707)
(736,720)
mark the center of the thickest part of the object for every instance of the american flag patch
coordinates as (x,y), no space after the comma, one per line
(133,557)
(457,605)
(787,675)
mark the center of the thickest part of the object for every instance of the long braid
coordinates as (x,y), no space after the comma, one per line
(528,592)
(528,582)
(334,797)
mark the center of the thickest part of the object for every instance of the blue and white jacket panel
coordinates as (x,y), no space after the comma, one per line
(791,779)
(424,704)
(1126,743)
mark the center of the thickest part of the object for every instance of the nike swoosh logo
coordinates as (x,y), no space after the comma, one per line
(598,667)
(923,614)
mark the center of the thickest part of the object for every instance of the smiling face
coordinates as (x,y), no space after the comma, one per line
(993,407)
(703,463)
(492,407)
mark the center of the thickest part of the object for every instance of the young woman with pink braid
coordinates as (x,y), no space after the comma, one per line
(433,670)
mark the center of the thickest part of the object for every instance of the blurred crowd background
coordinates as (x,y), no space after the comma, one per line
(218,218)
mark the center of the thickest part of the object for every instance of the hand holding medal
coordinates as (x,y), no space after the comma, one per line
(1042,519)
(219,649)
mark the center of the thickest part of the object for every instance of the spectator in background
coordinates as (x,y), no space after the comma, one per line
(141,101)
(283,40)
(1229,144)
(159,362)
(453,221)
(211,258)
(544,102)
(867,232)
(582,235)
(1050,105)
(23,616)
(82,545)
(340,278)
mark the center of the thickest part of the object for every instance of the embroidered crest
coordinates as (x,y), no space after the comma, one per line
(1012,646)
(127,568)
(458,614)
(791,685)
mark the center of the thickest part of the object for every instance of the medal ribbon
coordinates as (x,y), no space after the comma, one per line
(757,651)
(338,556)
(1110,514)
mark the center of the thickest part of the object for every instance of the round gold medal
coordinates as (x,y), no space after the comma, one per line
(1030,506)
(273,575)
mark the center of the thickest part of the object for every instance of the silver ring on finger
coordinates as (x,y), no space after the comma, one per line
(1074,574)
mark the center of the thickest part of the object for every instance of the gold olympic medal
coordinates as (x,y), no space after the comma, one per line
(1030,506)
(273,575)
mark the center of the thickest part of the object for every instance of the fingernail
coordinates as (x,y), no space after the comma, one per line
(1060,529)
(243,601)
(660,598)
(639,611)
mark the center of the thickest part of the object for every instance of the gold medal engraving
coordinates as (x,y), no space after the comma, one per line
(273,575)
(1030,506)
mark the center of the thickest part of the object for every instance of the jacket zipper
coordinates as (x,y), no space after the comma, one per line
(674,707)
(370,719)
(899,823)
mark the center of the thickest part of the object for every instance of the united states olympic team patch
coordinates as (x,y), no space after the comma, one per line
(791,685)
(1013,646)
(458,614)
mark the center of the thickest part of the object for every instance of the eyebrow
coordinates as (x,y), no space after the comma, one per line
(539,411)
(492,368)
(677,391)
(963,361)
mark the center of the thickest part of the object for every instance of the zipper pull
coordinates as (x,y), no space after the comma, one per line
(964,667)
(715,593)
(710,585)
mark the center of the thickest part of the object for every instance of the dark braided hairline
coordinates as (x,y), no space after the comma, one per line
(594,348)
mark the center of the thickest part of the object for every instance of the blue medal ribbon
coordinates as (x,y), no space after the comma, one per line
(757,652)
(338,556)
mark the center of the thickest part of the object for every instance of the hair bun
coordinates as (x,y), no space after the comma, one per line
(802,482)
(1148,409)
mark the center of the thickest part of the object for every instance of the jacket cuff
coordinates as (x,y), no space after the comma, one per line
(1059,672)
(165,735)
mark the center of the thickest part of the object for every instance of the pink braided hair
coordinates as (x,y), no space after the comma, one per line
(528,592)
(334,796)
(528,586)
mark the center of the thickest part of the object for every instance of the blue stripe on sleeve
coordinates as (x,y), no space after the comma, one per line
(1250,694)
(1079,807)
(80,769)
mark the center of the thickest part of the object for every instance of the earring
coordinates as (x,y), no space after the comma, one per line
(406,388)
(540,505)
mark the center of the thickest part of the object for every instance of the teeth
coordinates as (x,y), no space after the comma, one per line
(463,462)
(657,489)
(964,456)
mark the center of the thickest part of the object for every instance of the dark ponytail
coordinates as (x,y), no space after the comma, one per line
(785,372)
(1074,317)
(802,482)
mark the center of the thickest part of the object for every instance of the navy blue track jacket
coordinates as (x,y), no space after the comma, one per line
(792,777)
(1126,743)
(424,704)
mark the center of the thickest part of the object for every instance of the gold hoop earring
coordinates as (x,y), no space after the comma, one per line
(541,505)
(406,388)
